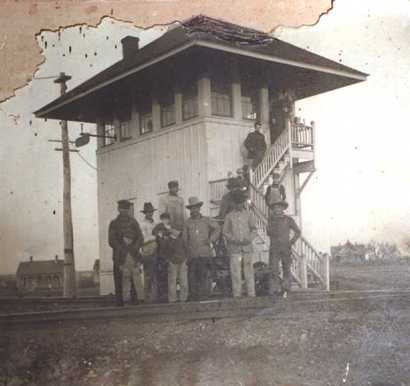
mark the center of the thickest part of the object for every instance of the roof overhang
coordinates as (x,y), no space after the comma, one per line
(336,77)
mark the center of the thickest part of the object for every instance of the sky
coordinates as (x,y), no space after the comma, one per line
(360,189)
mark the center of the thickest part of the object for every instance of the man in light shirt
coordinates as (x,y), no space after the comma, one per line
(173,204)
(239,231)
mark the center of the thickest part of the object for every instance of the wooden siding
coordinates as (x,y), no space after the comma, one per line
(141,169)
(225,138)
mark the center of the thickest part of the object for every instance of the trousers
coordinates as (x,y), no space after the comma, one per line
(117,283)
(151,278)
(199,277)
(279,256)
(132,273)
(177,272)
(236,273)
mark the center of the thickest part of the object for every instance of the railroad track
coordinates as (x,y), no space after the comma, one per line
(337,304)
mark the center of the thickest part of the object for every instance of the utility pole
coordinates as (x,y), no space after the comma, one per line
(69,268)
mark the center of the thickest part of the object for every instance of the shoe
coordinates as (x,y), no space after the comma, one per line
(285,294)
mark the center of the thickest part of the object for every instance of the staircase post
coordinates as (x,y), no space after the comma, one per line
(303,271)
(288,125)
(327,272)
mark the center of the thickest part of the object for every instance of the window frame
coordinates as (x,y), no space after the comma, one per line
(190,98)
(168,108)
(144,116)
(221,89)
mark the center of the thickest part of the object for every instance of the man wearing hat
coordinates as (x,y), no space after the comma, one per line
(275,191)
(227,203)
(198,235)
(280,227)
(126,239)
(239,231)
(149,252)
(173,204)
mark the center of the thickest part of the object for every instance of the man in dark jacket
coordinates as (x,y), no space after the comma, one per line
(283,233)
(255,143)
(198,235)
(126,239)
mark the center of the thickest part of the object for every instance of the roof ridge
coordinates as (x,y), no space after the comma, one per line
(225,30)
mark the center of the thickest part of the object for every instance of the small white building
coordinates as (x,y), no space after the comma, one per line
(181,107)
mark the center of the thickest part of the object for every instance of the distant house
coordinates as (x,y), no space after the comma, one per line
(349,252)
(40,274)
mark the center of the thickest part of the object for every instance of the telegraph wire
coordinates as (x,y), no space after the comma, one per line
(87,162)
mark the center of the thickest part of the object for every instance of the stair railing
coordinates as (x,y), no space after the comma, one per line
(272,157)
(317,264)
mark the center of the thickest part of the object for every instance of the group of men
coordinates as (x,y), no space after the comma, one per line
(178,250)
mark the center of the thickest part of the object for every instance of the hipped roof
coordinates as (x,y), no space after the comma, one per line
(207,32)
(40,267)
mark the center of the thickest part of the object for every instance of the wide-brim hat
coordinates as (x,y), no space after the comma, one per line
(124,204)
(282,203)
(148,208)
(194,201)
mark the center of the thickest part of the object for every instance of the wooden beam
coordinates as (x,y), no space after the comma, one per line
(304,167)
(305,183)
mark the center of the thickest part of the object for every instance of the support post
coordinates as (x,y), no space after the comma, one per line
(204,96)
(100,133)
(156,114)
(69,289)
(236,90)
(264,110)
(178,106)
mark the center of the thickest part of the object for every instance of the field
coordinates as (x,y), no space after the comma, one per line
(350,346)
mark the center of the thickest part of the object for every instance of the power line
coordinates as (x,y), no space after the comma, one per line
(87,162)
(46,77)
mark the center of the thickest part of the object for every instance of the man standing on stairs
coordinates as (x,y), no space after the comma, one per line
(279,231)
(276,191)
(255,144)
(239,231)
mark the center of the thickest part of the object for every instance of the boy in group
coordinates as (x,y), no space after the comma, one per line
(171,251)
(280,227)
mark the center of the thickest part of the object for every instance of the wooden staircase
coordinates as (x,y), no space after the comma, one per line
(293,149)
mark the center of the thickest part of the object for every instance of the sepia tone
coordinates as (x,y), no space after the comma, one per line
(205,202)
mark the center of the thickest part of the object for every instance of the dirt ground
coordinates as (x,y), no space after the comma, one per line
(319,348)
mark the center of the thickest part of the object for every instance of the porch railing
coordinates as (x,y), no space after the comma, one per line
(302,135)
(217,188)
